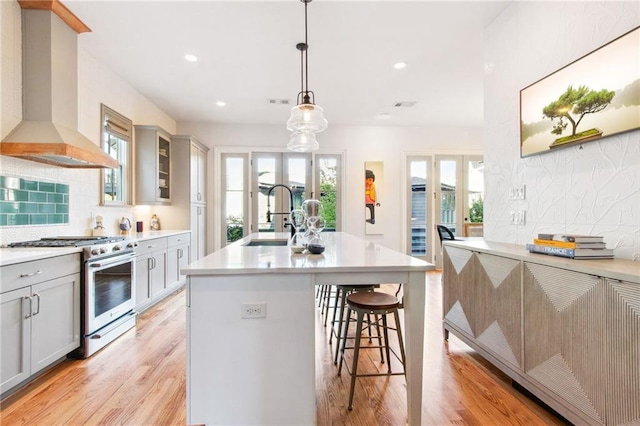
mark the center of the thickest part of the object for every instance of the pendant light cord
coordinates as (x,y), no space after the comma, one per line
(306,51)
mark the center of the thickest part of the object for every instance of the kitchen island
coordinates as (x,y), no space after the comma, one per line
(262,370)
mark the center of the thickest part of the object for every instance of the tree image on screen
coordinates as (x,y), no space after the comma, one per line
(571,107)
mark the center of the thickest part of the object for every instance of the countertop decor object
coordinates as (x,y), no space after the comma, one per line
(98,230)
(125,225)
(155,223)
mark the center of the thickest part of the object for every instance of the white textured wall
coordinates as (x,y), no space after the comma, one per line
(96,84)
(590,190)
(357,144)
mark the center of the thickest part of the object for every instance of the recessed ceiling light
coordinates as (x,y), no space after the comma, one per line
(384,115)
(191,58)
(221,103)
(400,65)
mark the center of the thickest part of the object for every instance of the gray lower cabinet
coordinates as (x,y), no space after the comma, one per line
(571,338)
(150,271)
(178,254)
(158,268)
(40,321)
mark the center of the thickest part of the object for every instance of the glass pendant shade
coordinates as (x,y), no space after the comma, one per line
(306,118)
(303,142)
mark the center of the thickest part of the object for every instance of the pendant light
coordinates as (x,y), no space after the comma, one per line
(307,118)
(303,142)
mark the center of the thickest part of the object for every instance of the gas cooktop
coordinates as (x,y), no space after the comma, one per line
(67,241)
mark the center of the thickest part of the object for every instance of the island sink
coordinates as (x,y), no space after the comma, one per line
(268,243)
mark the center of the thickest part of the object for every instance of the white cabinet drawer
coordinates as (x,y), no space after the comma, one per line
(21,275)
(176,240)
(148,246)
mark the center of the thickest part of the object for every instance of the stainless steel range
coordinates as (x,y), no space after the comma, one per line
(108,272)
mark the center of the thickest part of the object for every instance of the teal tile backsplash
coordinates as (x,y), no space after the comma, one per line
(31,202)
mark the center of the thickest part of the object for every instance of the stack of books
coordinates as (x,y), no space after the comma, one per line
(572,246)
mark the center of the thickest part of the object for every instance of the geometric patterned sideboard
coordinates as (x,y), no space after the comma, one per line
(582,341)
(483,299)
(571,338)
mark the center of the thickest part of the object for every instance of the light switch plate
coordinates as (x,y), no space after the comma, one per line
(517,192)
(518,217)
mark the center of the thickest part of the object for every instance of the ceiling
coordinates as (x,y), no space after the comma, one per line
(246,56)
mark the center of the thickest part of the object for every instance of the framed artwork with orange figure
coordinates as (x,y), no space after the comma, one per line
(373,201)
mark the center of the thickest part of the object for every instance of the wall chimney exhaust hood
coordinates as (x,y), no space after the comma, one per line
(48,130)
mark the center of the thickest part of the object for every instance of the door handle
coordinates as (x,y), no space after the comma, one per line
(30,306)
(37,296)
(30,274)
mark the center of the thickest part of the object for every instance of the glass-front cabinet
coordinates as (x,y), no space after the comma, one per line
(153,165)
(164,168)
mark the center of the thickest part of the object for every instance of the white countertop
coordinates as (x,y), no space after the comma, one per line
(343,253)
(10,256)
(148,235)
(621,269)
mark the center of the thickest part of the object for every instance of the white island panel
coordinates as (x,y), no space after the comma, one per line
(251,371)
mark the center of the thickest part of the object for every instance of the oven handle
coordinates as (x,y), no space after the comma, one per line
(113,261)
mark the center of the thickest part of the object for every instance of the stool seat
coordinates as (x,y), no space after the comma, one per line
(373,300)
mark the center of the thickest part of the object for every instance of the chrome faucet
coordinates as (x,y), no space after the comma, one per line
(284,213)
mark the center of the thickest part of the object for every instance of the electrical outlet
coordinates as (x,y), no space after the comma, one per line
(518,217)
(253,310)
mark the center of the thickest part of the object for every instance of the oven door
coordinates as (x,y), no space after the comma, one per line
(109,290)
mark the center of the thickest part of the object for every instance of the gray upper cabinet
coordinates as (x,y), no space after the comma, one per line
(190,176)
(198,172)
(153,172)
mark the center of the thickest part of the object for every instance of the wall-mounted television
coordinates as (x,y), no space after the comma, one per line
(592,98)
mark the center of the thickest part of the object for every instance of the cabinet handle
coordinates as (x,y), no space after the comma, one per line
(151,246)
(150,262)
(38,297)
(31,274)
(179,253)
(30,306)
(199,196)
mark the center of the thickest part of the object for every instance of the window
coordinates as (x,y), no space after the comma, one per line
(292,169)
(234,205)
(116,141)
(419,185)
(246,179)
(459,189)
(328,185)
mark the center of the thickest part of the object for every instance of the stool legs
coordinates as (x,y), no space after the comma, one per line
(356,352)
(342,340)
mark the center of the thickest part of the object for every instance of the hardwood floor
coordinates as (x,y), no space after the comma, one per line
(140,380)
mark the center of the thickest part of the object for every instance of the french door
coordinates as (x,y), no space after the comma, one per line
(459,193)
(270,205)
(420,207)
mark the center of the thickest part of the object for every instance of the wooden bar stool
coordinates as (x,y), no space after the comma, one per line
(380,305)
